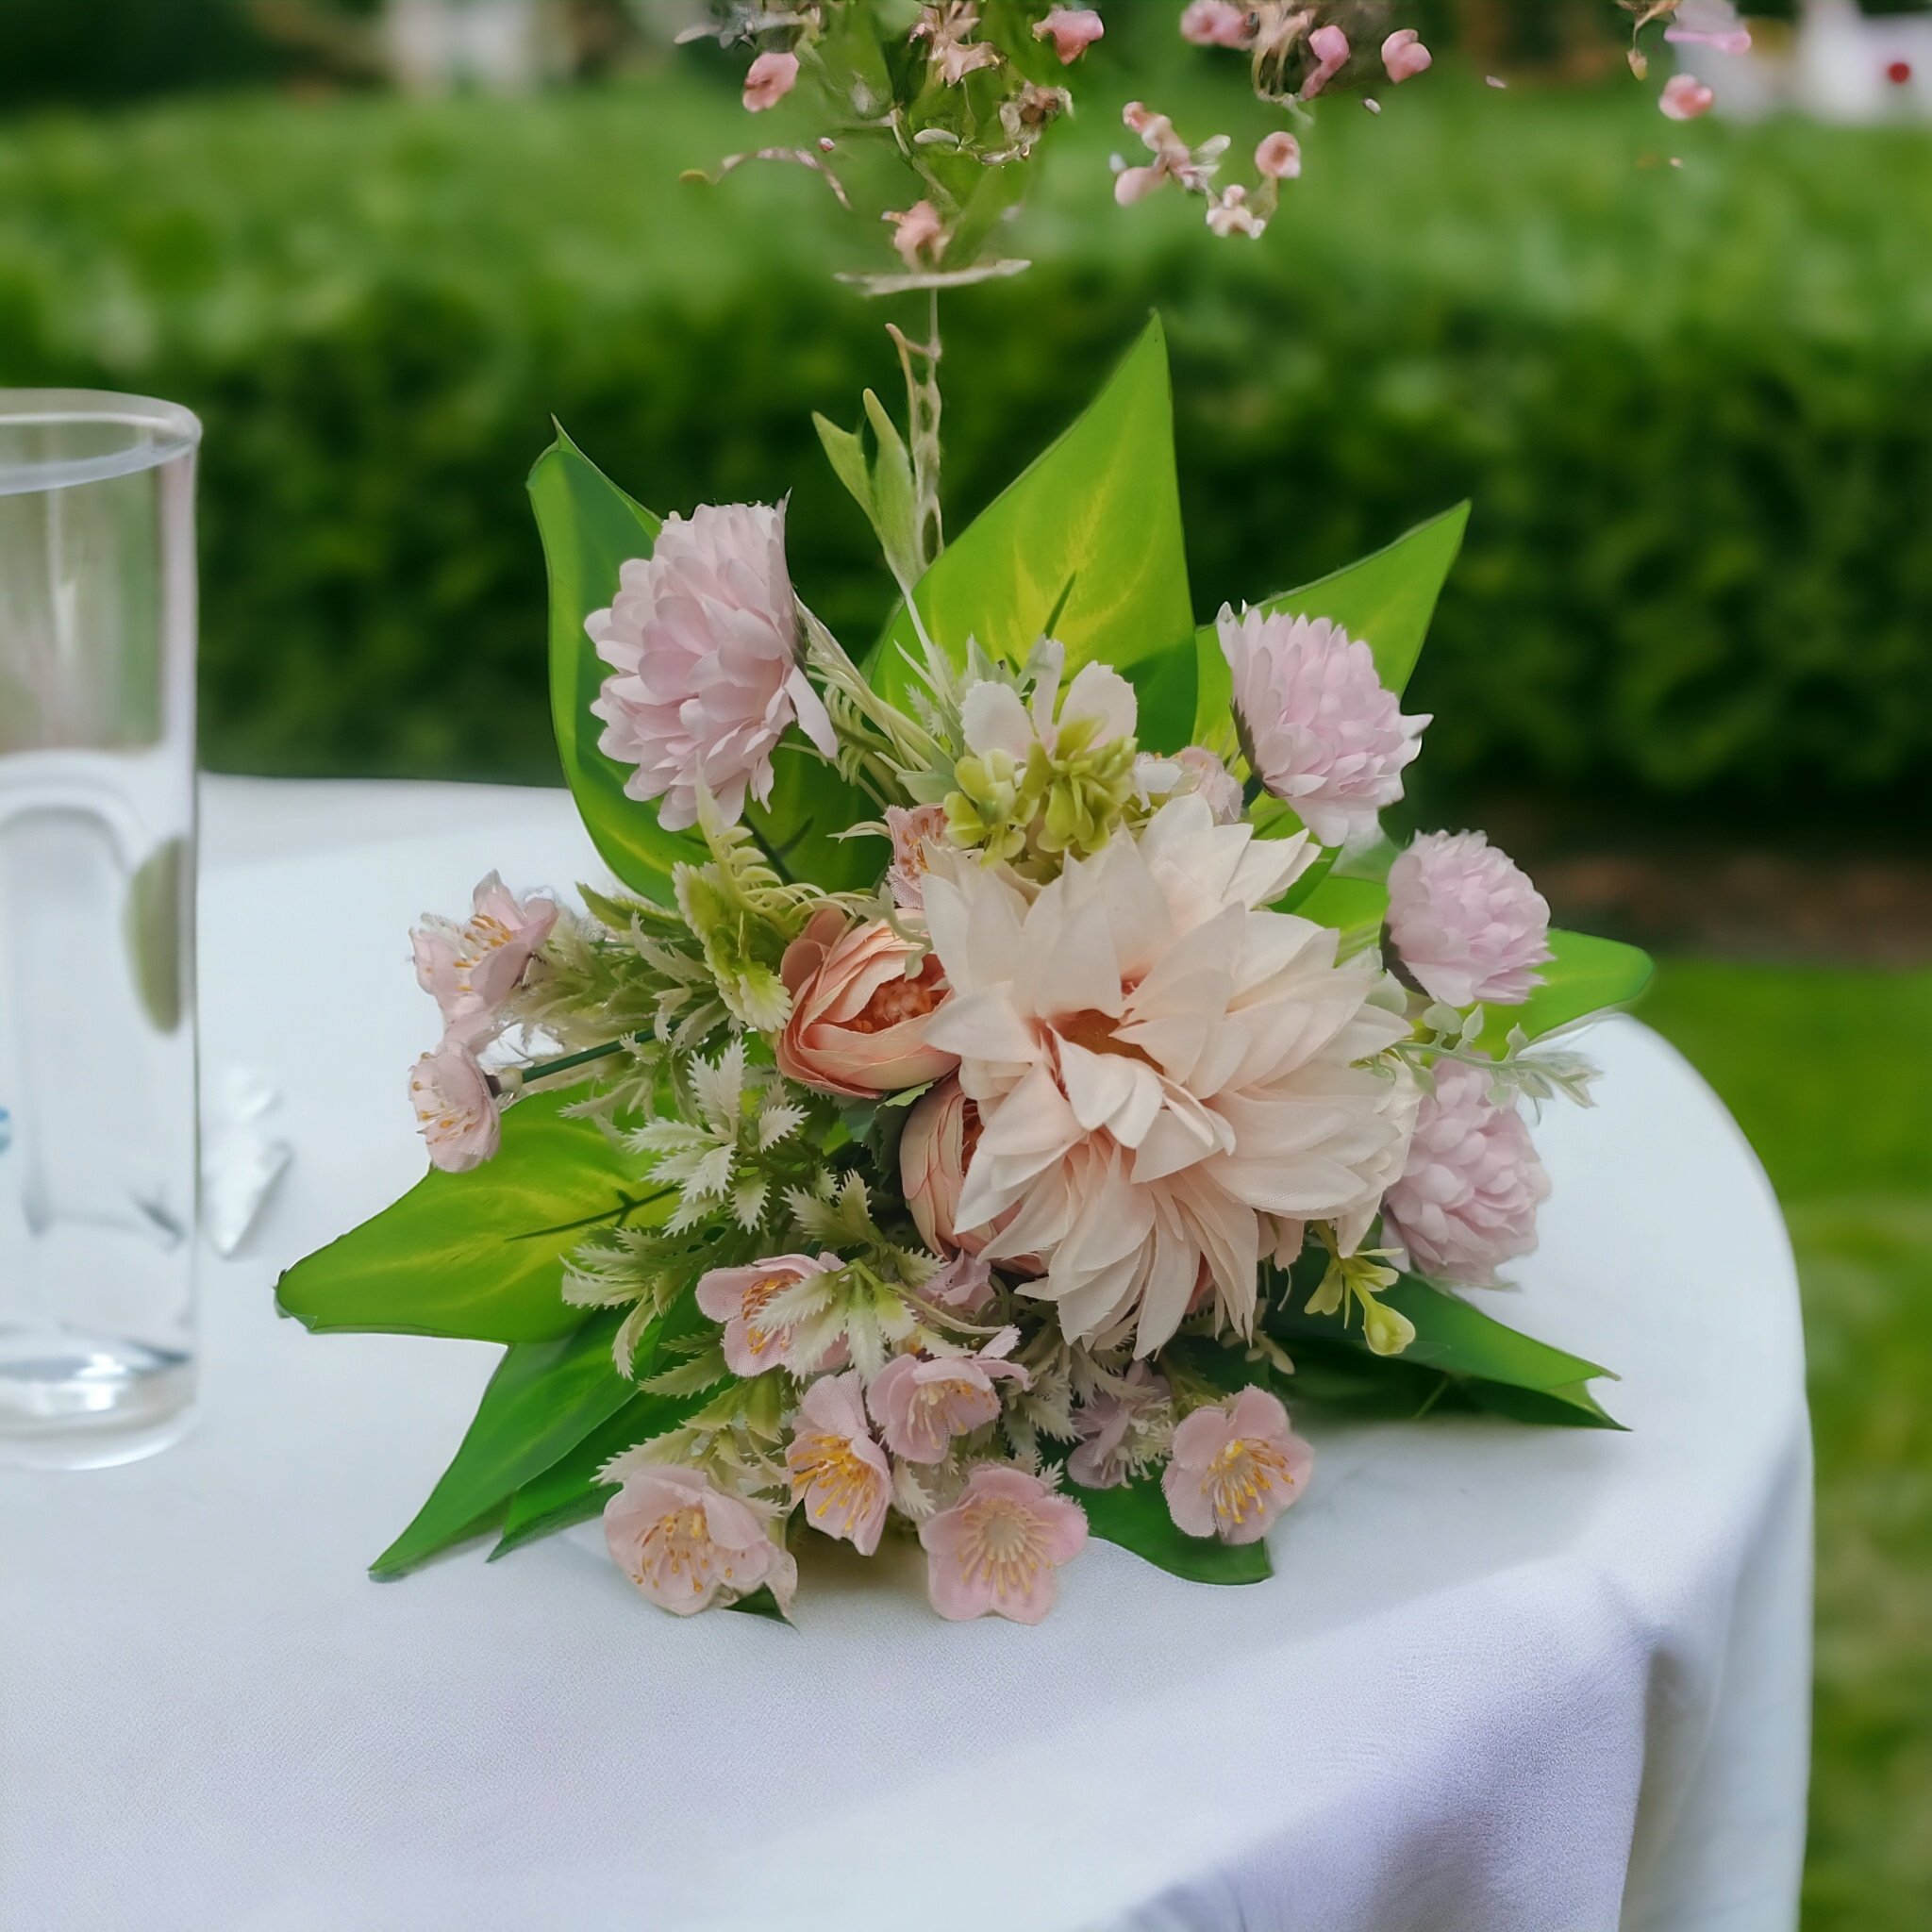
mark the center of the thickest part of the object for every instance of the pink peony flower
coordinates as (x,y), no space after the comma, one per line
(1071,30)
(1468,1195)
(911,829)
(918,234)
(999,1547)
(837,1472)
(1466,920)
(702,639)
(474,968)
(771,78)
(1235,1468)
(1279,156)
(1403,56)
(1319,727)
(737,1298)
(857,1025)
(1217,23)
(455,1110)
(685,1544)
(920,1406)
(1685,97)
(1105,1424)
(1329,45)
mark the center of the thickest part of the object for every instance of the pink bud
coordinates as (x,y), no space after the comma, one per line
(1405,57)
(1216,23)
(1280,156)
(1329,45)
(1135,184)
(1684,98)
(917,231)
(1071,30)
(771,78)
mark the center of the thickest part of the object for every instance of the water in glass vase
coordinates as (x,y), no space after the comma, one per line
(97,1058)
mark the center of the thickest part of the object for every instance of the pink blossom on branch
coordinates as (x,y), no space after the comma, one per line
(1280,157)
(1685,98)
(772,76)
(1071,30)
(472,969)
(1235,1468)
(1468,1197)
(738,1296)
(1403,56)
(837,1472)
(686,1544)
(912,828)
(1466,921)
(997,1551)
(920,1406)
(918,234)
(455,1110)
(1217,23)
(1329,45)
(706,680)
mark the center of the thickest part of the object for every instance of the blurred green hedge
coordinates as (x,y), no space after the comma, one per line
(1693,405)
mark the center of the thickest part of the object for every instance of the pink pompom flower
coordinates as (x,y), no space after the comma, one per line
(1217,23)
(472,969)
(702,638)
(857,1025)
(1279,156)
(997,1551)
(1319,727)
(772,76)
(1685,97)
(738,1296)
(1466,921)
(686,1544)
(1071,30)
(837,1472)
(1329,45)
(1235,1468)
(455,1110)
(1467,1199)
(1403,56)
(920,1406)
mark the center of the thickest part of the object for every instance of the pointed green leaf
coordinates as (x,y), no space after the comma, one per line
(1587,975)
(544,1398)
(1135,1515)
(1092,528)
(478,1254)
(846,452)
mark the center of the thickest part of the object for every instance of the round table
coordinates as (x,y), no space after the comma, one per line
(1505,1680)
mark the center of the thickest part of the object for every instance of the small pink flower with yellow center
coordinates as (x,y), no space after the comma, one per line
(456,1111)
(920,1406)
(1235,1468)
(685,1544)
(837,1472)
(997,1551)
(738,1296)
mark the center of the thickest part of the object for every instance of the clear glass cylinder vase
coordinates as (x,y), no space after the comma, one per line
(97,1063)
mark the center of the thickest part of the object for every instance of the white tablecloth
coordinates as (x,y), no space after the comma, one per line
(1507,1679)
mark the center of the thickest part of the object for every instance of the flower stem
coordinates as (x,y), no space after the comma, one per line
(543,1068)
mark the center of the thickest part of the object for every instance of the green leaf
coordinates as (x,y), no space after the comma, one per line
(1095,521)
(591,528)
(1387,599)
(544,1398)
(569,1491)
(478,1254)
(1354,907)
(1587,975)
(811,806)
(1135,1515)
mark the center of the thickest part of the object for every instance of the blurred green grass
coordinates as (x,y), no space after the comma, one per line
(1829,1072)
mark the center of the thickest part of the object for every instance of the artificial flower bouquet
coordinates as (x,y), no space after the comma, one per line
(1010,1069)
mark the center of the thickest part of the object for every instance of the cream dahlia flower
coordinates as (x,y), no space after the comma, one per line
(1164,1075)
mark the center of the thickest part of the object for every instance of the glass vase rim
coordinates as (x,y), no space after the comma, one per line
(171,431)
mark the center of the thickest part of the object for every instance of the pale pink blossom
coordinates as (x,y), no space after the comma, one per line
(1235,1468)
(1159,1069)
(1279,156)
(1329,45)
(947,28)
(1104,1456)
(1470,1189)
(1136,184)
(738,1296)
(472,969)
(1217,23)
(1320,728)
(1071,30)
(1685,97)
(1228,213)
(912,828)
(1203,774)
(686,1544)
(703,640)
(998,1549)
(837,1472)
(857,1025)
(455,1110)
(1466,921)
(920,1406)
(772,76)
(1734,39)
(1403,56)
(964,1283)
(1173,157)
(918,233)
